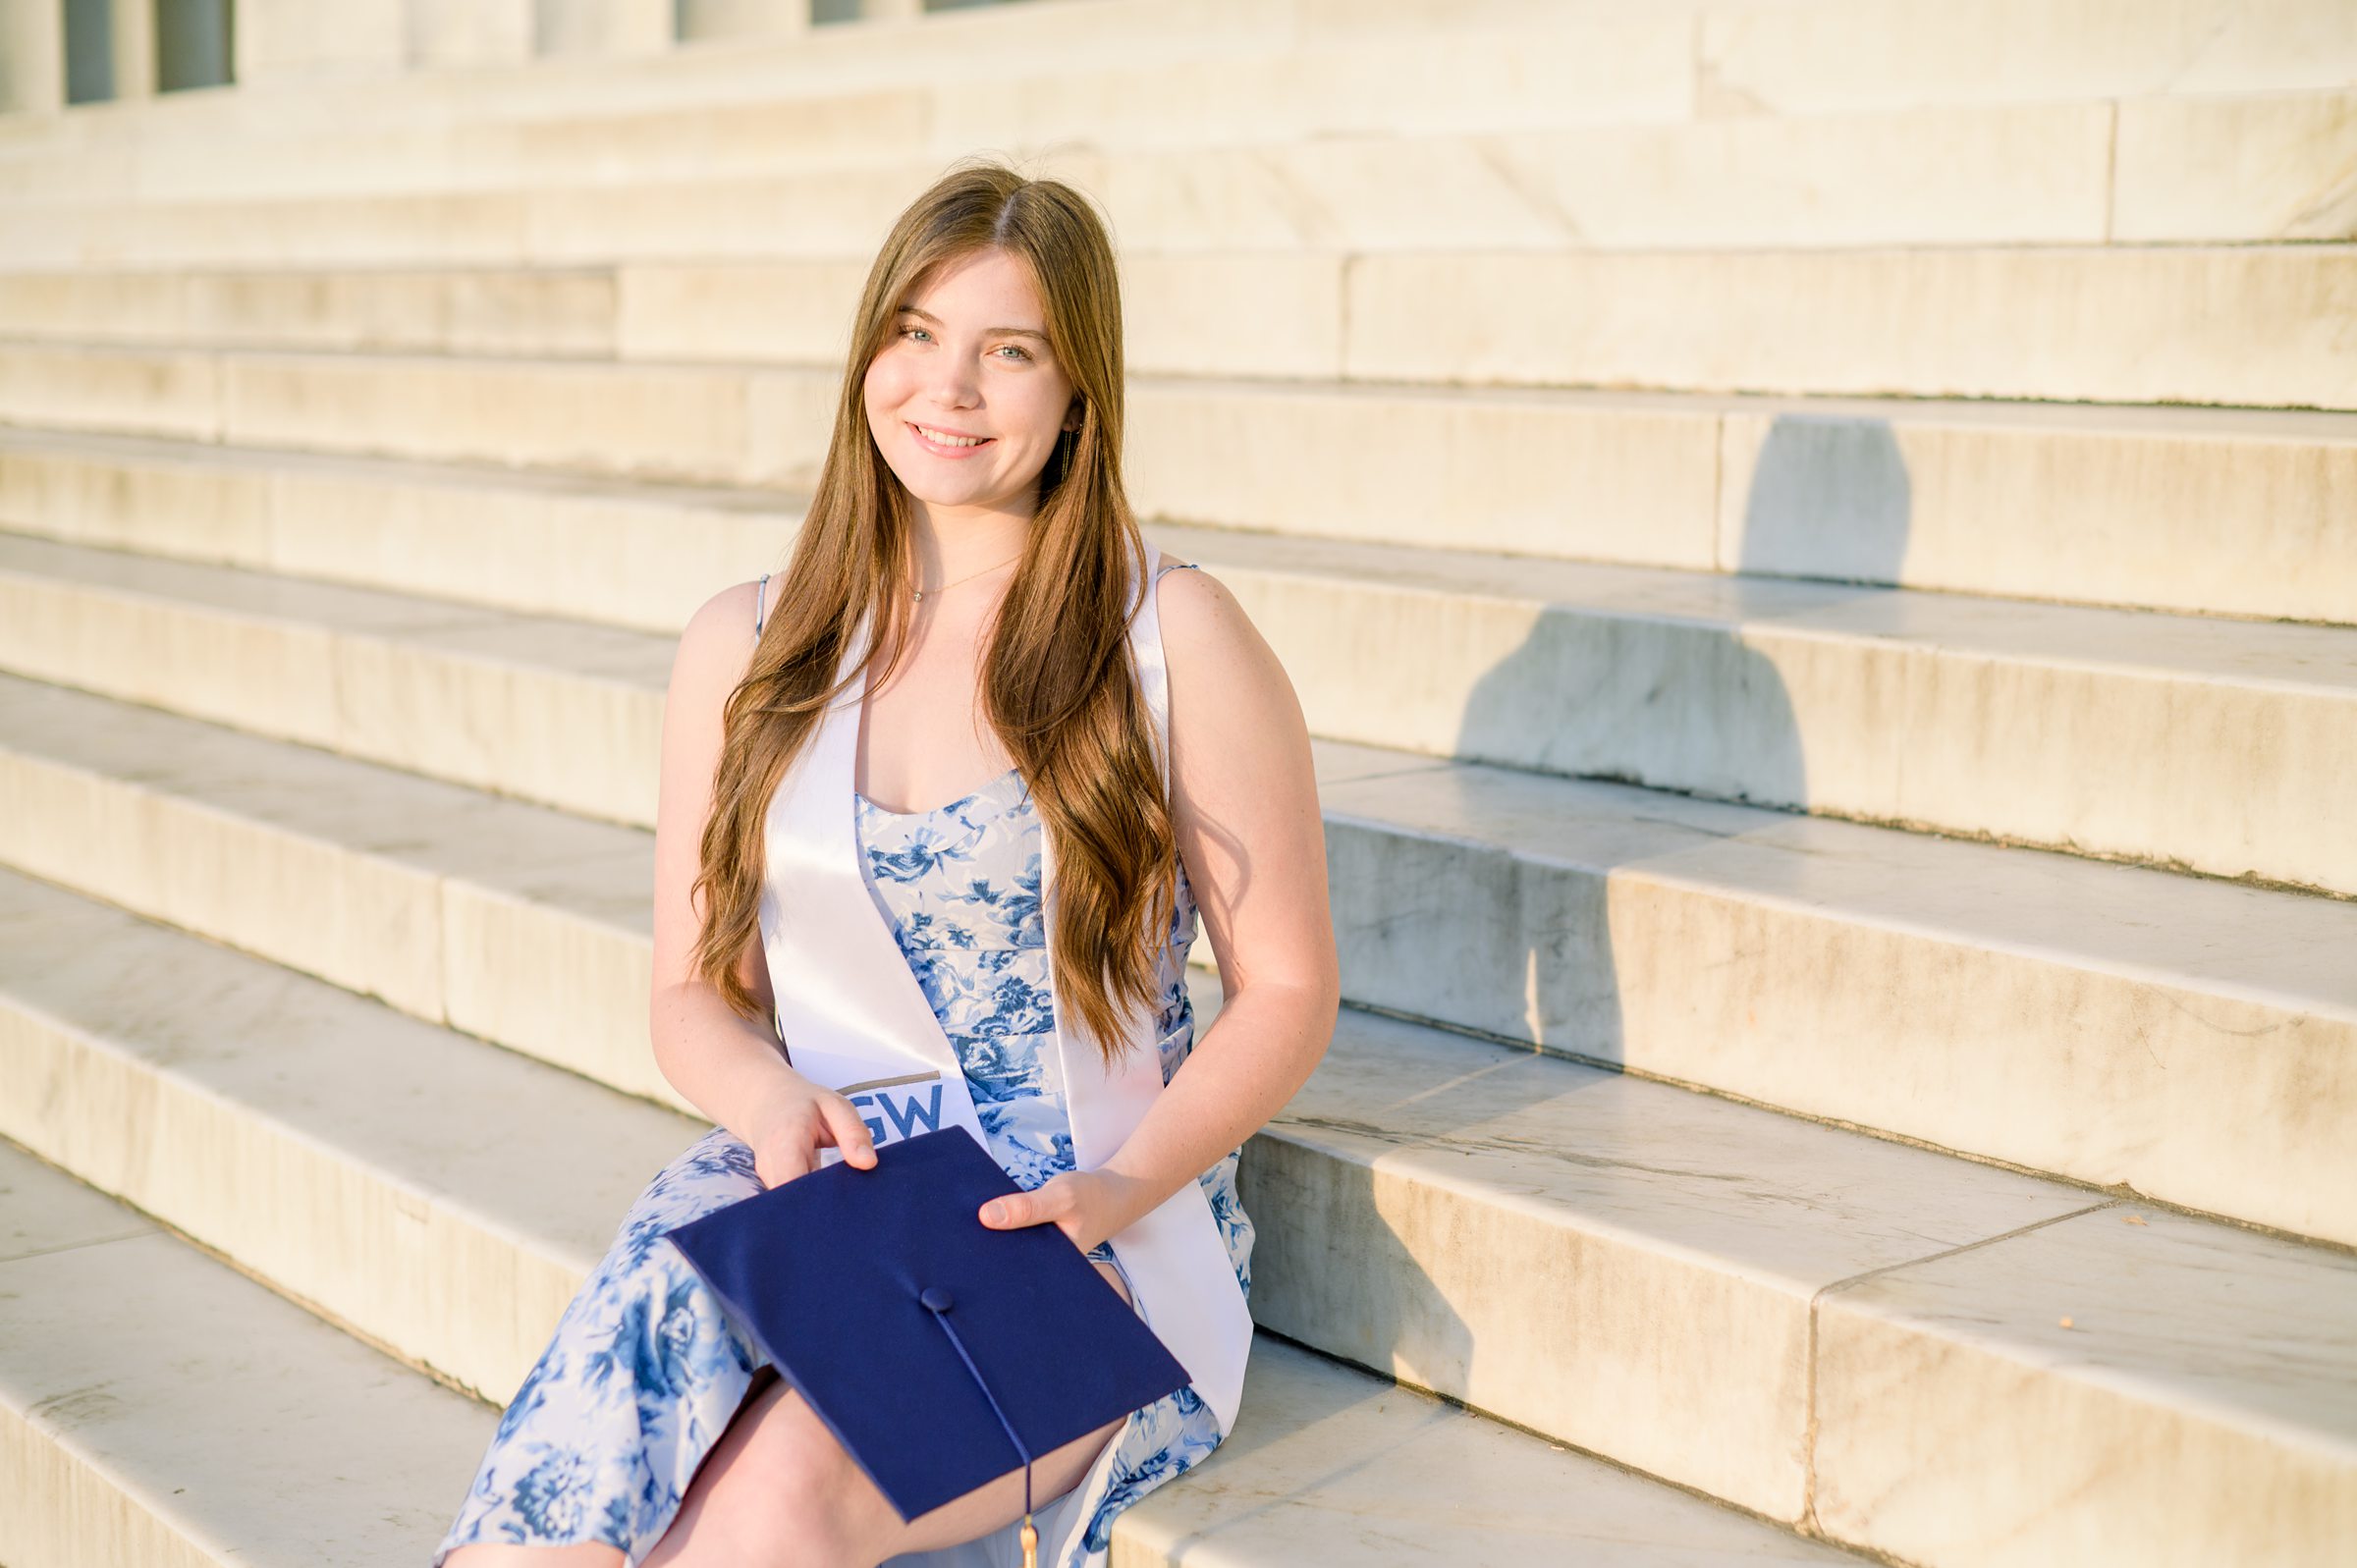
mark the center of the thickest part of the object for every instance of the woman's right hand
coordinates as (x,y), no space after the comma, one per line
(793,1120)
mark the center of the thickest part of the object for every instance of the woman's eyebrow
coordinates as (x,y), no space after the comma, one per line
(987,332)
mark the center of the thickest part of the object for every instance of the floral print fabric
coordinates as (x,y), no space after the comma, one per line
(961,883)
(645,1369)
(963,894)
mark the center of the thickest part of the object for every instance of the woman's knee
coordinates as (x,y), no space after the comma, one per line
(781,1489)
(710,1173)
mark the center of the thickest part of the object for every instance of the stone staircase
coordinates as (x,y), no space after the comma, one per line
(1817,539)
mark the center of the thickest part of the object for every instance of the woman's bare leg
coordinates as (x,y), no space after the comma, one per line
(779,1491)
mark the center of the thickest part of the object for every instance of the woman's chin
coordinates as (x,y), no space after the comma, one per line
(939,495)
(949,494)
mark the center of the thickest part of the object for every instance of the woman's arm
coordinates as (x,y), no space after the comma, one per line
(1244,800)
(729,1067)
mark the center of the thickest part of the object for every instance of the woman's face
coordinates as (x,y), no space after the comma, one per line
(967,357)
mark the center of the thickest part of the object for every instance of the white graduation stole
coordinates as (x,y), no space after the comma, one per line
(856,1020)
(848,1008)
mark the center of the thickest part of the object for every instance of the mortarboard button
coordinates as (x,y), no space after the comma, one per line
(934,1299)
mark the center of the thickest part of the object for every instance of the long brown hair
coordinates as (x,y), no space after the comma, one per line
(1057,685)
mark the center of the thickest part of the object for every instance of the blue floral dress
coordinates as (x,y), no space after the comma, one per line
(646,1369)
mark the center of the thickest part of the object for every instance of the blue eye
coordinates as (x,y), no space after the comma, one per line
(1019,351)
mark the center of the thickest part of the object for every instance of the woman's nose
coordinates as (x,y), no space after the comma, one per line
(952,381)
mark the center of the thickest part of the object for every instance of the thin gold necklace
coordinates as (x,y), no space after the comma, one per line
(917,595)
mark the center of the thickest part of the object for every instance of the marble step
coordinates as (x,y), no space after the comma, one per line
(386,155)
(563,713)
(437,1194)
(2245,325)
(2216,511)
(1876,54)
(2092,172)
(2182,1038)
(512,923)
(1419,1200)
(160,1407)
(1986,718)
(1926,1358)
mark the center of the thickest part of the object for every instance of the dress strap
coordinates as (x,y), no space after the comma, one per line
(760,593)
(1175,566)
(1146,657)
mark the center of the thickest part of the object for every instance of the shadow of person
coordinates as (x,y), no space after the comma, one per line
(1671,681)
(1481,898)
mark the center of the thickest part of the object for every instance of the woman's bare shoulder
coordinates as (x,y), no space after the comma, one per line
(1200,619)
(716,646)
(1224,674)
(1244,792)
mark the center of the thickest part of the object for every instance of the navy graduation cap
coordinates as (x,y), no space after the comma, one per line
(939,1352)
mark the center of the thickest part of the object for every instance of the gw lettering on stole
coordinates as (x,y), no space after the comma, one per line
(895,1108)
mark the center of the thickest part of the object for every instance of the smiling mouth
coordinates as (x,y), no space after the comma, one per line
(942,438)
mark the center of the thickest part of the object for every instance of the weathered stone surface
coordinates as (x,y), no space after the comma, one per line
(159,1408)
(517,924)
(472,696)
(1327,1466)
(2122,1386)
(361,1161)
(2267,167)
(2249,325)
(2032,1007)
(1623,1264)
(1880,54)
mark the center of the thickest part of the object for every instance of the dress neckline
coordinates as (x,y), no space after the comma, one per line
(947,805)
(1160,567)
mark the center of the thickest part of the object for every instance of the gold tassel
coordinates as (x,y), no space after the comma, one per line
(1030,1544)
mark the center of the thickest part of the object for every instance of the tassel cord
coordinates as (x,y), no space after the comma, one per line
(941,1316)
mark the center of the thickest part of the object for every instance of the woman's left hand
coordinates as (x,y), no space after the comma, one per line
(1087,1206)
